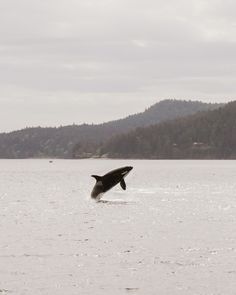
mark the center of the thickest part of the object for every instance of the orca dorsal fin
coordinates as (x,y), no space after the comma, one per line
(98,178)
(123,184)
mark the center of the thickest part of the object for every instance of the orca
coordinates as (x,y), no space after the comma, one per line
(106,182)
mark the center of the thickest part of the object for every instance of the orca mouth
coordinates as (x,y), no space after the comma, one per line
(127,171)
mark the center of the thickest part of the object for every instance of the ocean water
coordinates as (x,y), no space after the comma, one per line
(172,232)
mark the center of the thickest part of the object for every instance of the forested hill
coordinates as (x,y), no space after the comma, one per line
(207,135)
(82,140)
(161,111)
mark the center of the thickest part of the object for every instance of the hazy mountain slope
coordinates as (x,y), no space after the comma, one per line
(209,134)
(77,141)
(161,111)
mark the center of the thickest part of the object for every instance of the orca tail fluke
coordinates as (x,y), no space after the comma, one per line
(98,178)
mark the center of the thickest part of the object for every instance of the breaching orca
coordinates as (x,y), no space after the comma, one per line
(109,180)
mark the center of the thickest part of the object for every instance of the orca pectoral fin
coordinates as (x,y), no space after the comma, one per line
(123,184)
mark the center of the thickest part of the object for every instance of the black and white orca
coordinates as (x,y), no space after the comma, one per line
(106,182)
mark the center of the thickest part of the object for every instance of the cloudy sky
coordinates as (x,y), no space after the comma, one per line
(75,61)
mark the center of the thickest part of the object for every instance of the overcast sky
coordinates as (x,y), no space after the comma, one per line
(75,61)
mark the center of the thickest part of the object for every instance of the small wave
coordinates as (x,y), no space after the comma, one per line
(116,202)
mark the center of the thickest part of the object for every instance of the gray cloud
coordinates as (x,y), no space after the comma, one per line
(76,61)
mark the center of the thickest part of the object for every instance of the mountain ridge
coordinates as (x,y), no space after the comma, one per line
(206,135)
(78,141)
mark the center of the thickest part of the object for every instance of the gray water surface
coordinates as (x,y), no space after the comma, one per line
(172,232)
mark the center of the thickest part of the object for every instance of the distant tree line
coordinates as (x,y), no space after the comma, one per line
(208,135)
(84,141)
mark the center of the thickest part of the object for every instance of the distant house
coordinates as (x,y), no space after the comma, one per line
(198,144)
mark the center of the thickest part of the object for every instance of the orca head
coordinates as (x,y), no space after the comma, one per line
(126,171)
